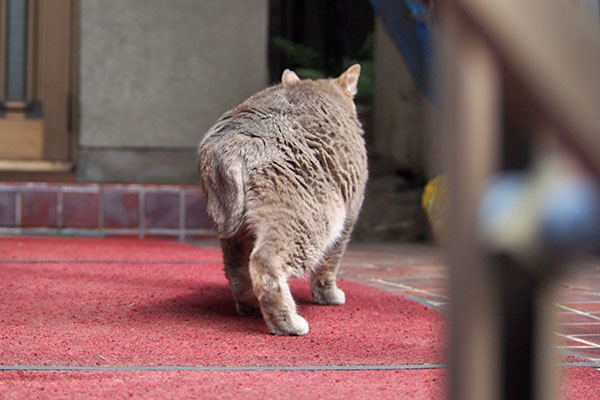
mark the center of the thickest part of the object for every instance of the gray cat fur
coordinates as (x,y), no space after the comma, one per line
(284,174)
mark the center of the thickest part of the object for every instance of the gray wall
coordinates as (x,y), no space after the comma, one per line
(155,74)
(402,114)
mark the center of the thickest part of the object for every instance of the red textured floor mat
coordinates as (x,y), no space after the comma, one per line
(139,313)
(414,385)
(577,384)
(141,303)
(111,248)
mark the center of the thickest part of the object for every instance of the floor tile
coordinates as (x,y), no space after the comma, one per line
(195,210)
(121,208)
(161,210)
(39,208)
(7,208)
(80,210)
(593,338)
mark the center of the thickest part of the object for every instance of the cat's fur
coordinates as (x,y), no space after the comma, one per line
(284,173)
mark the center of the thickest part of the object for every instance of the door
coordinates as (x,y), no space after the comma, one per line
(36,83)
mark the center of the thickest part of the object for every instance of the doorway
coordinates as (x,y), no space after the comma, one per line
(37,39)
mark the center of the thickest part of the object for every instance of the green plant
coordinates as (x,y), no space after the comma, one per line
(309,62)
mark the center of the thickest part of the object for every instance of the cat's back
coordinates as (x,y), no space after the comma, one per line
(290,111)
(302,137)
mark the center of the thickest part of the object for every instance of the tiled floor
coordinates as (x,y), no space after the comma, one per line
(578,312)
(419,272)
(103,209)
(415,271)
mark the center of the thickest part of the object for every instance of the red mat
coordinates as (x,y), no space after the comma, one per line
(111,248)
(309,385)
(579,383)
(136,303)
(140,313)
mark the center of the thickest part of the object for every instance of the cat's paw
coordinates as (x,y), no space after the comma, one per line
(328,296)
(294,325)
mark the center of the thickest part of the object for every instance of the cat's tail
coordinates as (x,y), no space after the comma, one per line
(222,180)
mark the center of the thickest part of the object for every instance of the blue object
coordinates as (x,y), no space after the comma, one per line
(407,23)
(570,215)
(563,213)
(502,200)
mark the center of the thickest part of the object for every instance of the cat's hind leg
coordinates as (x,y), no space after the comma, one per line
(323,285)
(269,279)
(236,255)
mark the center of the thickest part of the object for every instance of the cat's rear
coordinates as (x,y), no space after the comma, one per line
(284,174)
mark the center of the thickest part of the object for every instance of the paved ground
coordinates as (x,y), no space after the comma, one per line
(419,272)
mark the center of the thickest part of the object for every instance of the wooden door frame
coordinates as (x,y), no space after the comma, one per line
(51,84)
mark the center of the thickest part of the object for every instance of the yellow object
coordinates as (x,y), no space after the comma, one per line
(434,203)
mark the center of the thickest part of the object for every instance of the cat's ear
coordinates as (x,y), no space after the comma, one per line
(349,79)
(288,77)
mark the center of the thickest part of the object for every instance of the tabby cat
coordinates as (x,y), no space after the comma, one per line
(284,174)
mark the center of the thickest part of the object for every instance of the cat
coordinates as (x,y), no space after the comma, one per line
(284,174)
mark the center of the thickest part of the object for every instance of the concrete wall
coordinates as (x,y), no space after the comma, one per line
(401,112)
(155,74)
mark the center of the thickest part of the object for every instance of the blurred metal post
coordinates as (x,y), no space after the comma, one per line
(501,302)
(471,104)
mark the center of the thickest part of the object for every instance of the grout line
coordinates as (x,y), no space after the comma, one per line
(567,313)
(406,287)
(142,212)
(86,188)
(421,300)
(101,232)
(580,356)
(101,205)
(181,214)
(586,334)
(161,188)
(18,209)
(592,364)
(59,207)
(438,303)
(577,311)
(221,368)
(41,368)
(592,344)
(96,261)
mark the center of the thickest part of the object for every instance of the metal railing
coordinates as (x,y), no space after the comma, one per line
(537,64)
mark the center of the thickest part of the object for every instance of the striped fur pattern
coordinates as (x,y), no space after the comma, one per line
(284,173)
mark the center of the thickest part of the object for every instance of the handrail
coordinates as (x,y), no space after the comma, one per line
(555,55)
(501,313)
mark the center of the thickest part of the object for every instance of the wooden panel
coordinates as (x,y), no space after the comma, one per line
(35,165)
(33,23)
(49,83)
(3,9)
(55,81)
(21,138)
